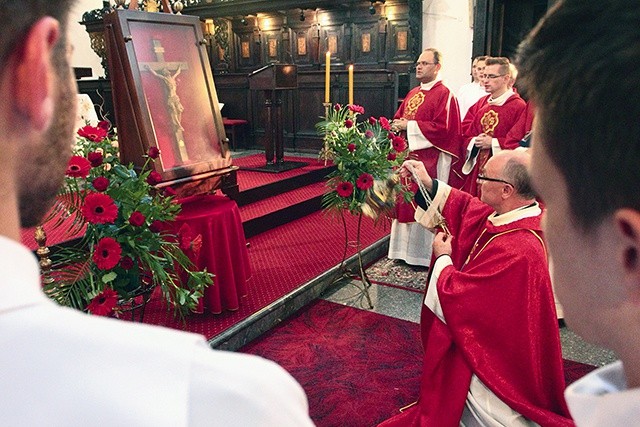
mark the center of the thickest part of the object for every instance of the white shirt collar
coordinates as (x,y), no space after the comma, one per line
(515,215)
(430,85)
(499,101)
(20,276)
(603,395)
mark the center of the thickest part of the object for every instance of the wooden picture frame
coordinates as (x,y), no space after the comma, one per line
(164,95)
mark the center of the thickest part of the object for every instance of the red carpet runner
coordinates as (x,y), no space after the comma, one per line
(356,367)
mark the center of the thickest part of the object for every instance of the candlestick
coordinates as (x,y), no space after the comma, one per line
(350,84)
(327,76)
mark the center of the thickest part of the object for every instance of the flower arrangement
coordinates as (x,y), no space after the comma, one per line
(367,155)
(126,251)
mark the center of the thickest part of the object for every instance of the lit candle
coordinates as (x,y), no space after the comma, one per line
(350,84)
(327,76)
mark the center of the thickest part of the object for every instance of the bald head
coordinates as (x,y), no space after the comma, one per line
(514,165)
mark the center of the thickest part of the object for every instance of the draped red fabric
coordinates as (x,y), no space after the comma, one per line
(500,323)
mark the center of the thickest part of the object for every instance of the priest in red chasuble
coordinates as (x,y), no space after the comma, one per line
(430,118)
(492,352)
(487,123)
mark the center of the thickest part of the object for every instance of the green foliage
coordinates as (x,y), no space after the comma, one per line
(359,148)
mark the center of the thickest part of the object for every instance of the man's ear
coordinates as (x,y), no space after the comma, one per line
(627,223)
(34,75)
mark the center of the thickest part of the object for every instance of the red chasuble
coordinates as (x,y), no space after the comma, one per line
(494,120)
(501,323)
(521,127)
(438,117)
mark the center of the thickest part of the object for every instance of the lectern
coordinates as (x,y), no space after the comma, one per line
(274,79)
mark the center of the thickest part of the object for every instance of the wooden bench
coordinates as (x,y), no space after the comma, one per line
(231,128)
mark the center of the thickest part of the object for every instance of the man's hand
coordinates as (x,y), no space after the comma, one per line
(411,167)
(399,124)
(483,141)
(442,244)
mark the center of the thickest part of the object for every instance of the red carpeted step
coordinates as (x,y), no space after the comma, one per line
(281,201)
(251,179)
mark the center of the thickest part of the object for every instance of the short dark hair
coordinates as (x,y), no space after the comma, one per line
(517,174)
(437,55)
(502,61)
(480,58)
(587,102)
(17,16)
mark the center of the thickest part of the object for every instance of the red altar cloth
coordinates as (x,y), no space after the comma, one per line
(224,250)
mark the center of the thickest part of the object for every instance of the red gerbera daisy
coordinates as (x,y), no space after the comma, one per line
(78,167)
(99,208)
(344,189)
(385,123)
(399,143)
(107,253)
(94,134)
(104,303)
(365,181)
(356,108)
(100,183)
(137,219)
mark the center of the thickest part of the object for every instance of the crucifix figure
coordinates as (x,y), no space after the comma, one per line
(168,72)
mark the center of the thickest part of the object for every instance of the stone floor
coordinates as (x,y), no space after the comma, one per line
(405,304)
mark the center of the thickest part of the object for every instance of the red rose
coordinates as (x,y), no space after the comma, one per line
(100,183)
(385,123)
(104,125)
(154,178)
(99,208)
(95,157)
(391,156)
(107,253)
(351,147)
(78,167)
(104,303)
(399,144)
(337,107)
(365,181)
(127,263)
(348,123)
(356,108)
(156,226)
(344,189)
(136,219)
(372,121)
(94,134)
(153,152)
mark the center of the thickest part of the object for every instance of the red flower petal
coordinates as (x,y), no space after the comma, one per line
(78,167)
(364,181)
(107,253)
(344,189)
(137,219)
(104,303)
(99,208)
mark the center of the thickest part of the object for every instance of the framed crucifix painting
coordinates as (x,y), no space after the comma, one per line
(165,97)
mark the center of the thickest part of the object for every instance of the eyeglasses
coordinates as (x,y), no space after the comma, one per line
(485,178)
(493,76)
(424,63)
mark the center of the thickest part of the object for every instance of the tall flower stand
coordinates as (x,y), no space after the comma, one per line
(343,273)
